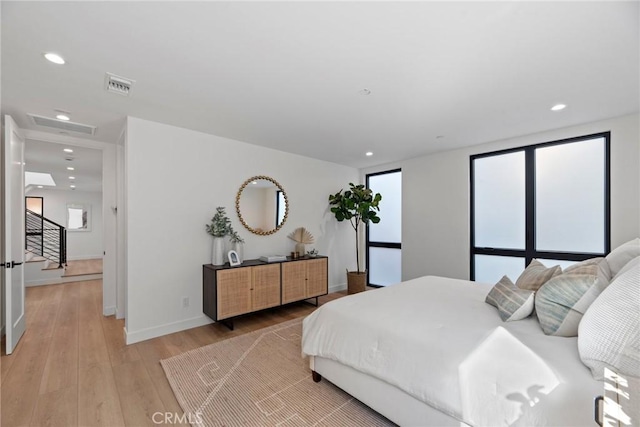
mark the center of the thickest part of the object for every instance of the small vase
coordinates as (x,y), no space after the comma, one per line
(239,248)
(300,249)
(217,251)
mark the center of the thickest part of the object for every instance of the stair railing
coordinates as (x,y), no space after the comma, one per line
(45,238)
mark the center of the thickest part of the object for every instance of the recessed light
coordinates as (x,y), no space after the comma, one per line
(55,58)
(40,186)
(68,150)
(72,177)
(70,168)
(368,153)
(254,182)
(63,117)
(558,107)
(72,186)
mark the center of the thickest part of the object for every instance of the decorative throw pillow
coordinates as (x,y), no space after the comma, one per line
(589,266)
(536,275)
(561,302)
(609,333)
(513,303)
(621,255)
(627,267)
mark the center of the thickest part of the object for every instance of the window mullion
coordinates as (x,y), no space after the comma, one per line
(530,204)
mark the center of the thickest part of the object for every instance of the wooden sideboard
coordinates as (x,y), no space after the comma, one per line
(254,285)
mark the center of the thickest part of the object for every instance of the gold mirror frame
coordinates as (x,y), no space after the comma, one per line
(286,205)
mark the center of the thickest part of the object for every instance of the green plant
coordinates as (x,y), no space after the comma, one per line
(235,237)
(220,224)
(358,205)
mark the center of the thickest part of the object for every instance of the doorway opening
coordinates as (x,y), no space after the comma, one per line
(384,240)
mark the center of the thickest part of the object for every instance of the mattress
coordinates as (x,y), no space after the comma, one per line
(438,341)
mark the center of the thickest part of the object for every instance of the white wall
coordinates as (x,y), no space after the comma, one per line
(80,244)
(175,178)
(435,197)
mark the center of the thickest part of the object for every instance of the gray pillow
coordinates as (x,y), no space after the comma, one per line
(536,275)
(561,302)
(512,302)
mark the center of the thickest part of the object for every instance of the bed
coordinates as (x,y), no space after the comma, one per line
(430,351)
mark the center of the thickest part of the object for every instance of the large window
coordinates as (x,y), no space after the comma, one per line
(548,201)
(384,247)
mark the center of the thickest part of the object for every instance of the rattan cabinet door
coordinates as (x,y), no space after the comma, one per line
(234,292)
(316,277)
(293,281)
(266,286)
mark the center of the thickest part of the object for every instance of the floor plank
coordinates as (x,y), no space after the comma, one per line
(57,408)
(61,369)
(138,397)
(20,388)
(98,401)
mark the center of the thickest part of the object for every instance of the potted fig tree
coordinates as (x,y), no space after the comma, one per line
(359,206)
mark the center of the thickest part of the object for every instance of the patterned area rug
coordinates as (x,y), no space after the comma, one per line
(260,379)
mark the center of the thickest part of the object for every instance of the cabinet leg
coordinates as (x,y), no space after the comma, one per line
(316,376)
(228,323)
(310,303)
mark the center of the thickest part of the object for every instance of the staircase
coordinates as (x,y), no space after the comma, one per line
(45,238)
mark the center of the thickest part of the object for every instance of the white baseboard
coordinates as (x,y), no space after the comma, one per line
(337,288)
(109,311)
(43,282)
(118,314)
(131,337)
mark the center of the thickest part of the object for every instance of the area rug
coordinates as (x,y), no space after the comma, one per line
(260,379)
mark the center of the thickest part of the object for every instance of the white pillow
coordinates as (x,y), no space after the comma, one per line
(609,332)
(627,267)
(620,256)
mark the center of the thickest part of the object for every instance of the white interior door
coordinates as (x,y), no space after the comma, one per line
(12,241)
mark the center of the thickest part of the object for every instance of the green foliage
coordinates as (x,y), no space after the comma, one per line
(358,205)
(220,224)
(235,237)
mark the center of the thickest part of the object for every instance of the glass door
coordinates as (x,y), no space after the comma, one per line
(384,240)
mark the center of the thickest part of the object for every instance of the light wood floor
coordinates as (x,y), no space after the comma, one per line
(71,368)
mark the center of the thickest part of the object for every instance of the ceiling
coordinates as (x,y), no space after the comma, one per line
(47,157)
(291,75)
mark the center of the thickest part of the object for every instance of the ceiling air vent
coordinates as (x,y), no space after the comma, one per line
(63,125)
(117,84)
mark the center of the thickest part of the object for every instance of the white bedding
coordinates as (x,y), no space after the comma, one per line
(437,340)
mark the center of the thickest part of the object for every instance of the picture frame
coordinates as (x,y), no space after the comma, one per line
(78,217)
(234,260)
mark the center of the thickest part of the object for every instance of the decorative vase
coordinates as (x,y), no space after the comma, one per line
(239,248)
(217,251)
(300,249)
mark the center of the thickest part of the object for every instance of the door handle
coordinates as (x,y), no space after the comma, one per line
(14,264)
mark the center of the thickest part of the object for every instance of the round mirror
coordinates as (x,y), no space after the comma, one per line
(262,205)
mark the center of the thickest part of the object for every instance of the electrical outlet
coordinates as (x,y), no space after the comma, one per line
(185,302)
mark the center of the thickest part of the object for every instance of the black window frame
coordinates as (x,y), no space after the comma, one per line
(368,243)
(530,252)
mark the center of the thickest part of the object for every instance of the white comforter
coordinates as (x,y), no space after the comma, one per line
(436,339)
